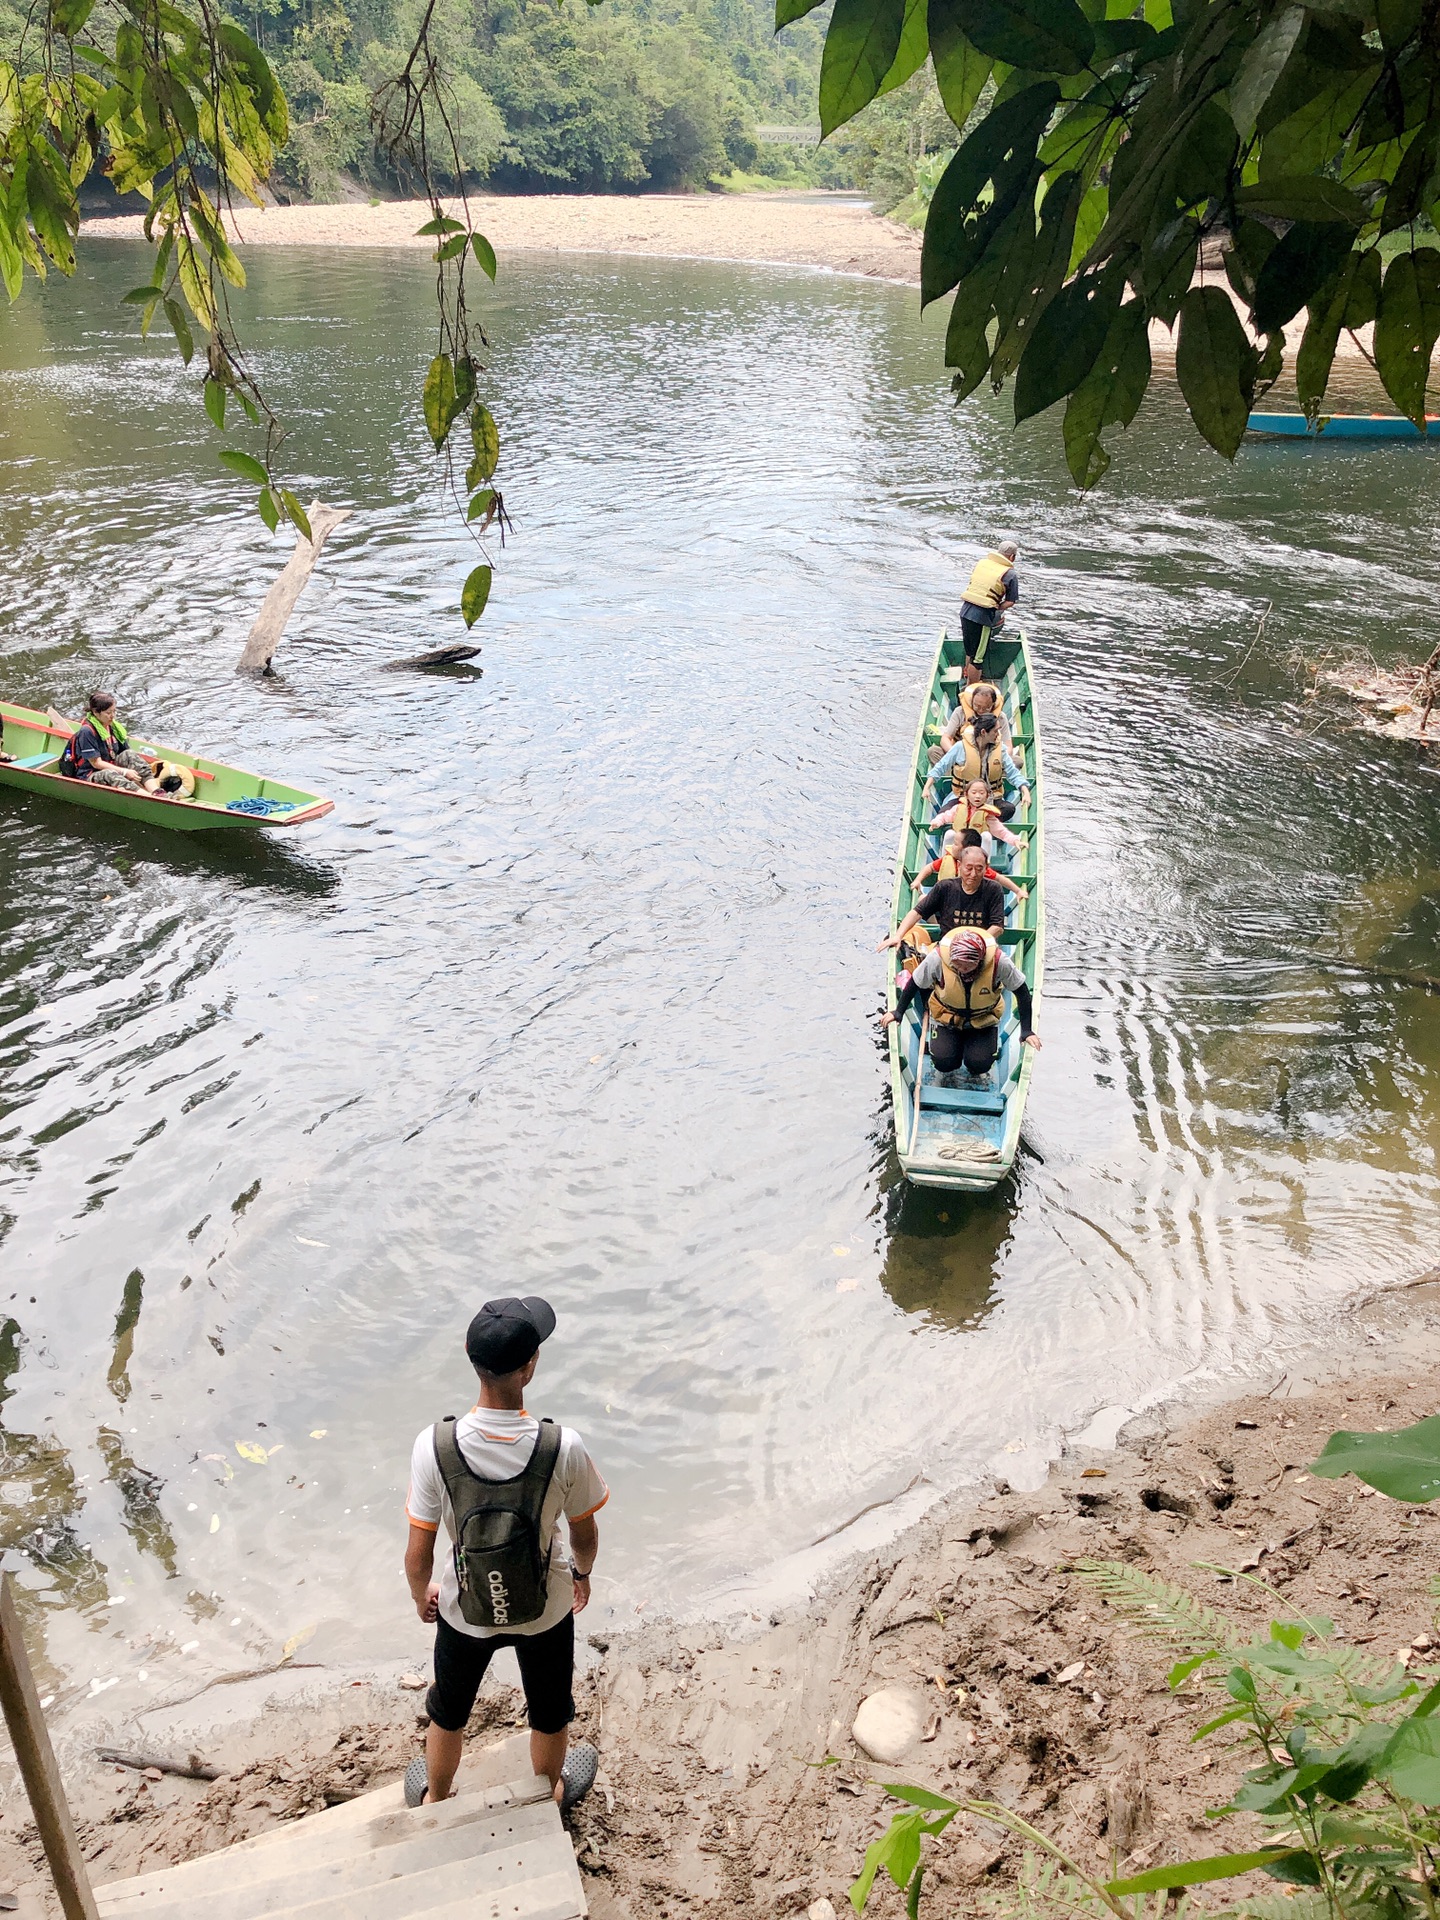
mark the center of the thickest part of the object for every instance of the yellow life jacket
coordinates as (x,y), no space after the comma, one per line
(967,698)
(976,1002)
(987,582)
(968,767)
(965,816)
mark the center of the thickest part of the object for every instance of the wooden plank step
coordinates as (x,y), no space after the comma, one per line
(549,1899)
(287,1880)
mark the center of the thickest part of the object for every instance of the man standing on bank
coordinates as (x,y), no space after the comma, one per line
(993,587)
(499,1480)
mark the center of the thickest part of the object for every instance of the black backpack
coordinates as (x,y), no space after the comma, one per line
(502,1560)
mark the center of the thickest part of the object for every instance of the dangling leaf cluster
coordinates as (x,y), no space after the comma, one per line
(1220,166)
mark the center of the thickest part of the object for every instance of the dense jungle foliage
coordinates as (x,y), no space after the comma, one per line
(632,94)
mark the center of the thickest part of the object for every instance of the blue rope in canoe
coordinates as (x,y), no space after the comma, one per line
(260,807)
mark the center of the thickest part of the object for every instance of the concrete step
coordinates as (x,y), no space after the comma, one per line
(536,1881)
(237,1889)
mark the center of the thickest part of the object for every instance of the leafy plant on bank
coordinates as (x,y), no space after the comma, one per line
(1119,140)
(1345,1748)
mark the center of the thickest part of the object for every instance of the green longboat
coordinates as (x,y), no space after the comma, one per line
(35,744)
(964,1133)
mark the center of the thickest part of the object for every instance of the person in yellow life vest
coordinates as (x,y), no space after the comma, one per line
(976,807)
(965,979)
(976,702)
(993,587)
(980,754)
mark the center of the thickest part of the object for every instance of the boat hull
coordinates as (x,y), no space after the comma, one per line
(964,1134)
(29,736)
(1344,426)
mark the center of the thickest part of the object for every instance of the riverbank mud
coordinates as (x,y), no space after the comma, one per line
(712,1798)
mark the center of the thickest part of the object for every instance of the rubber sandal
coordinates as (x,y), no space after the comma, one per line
(416,1781)
(577,1776)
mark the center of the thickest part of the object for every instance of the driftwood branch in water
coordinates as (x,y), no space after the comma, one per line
(192,1769)
(280,601)
(437,657)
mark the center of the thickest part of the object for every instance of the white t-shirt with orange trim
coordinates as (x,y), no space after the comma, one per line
(496,1445)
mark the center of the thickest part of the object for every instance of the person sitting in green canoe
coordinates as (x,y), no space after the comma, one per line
(100,749)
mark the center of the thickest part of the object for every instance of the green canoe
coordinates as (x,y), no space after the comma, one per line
(964,1133)
(35,745)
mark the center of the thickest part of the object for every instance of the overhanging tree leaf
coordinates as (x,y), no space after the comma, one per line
(245,464)
(1398,22)
(485,438)
(860,48)
(215,402)
(1407,327)
(1041,36)
(787,11)
(1302,197)
(1308,256)
(1411,190)
(961,70)
(438,399)
(1260,69)
(914,46)
(1066,342)
(1215,366)
(997,155)
(1109,395)
(475,593)
(484,254)
(1404,1464)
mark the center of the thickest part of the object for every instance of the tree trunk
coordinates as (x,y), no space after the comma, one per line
(280,601)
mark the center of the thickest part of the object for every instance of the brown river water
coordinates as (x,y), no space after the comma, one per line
(574,992)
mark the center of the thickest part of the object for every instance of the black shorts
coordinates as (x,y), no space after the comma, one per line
(547,1668)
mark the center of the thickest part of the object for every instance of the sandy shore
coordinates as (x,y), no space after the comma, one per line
(780,227)
(709,1799)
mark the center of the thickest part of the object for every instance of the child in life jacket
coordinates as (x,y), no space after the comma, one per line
(975,808)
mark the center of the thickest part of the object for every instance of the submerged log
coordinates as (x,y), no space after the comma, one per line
(437,657)
(280,601)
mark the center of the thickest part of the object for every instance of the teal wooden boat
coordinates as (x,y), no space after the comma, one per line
(1344,426)
(224,796)
(964,1134)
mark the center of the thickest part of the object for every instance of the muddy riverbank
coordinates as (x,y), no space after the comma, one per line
(709,1798)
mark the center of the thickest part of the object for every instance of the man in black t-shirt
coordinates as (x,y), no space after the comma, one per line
(969,900)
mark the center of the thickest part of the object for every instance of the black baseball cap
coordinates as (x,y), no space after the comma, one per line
(506,1333)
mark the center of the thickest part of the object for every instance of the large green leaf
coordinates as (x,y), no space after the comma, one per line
(1029,285)
(1406,329)
(1262,66)
(1043,36)
(1410,1762)
(245,464)
(1066,342)
(914,45)
(438,398)
(1309,255)
(1329,312)
(1302,197)
(860,48)
(1215,366)
(1398,21)
(1404,1464)
(1194,1873)
(1000,150)
(787,11)
(485,438)
(1109,395)
(475,593)
(961,70)
(967,343)
(1412,188)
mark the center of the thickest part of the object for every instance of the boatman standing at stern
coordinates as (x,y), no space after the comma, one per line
(499,1480)
(993,587)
